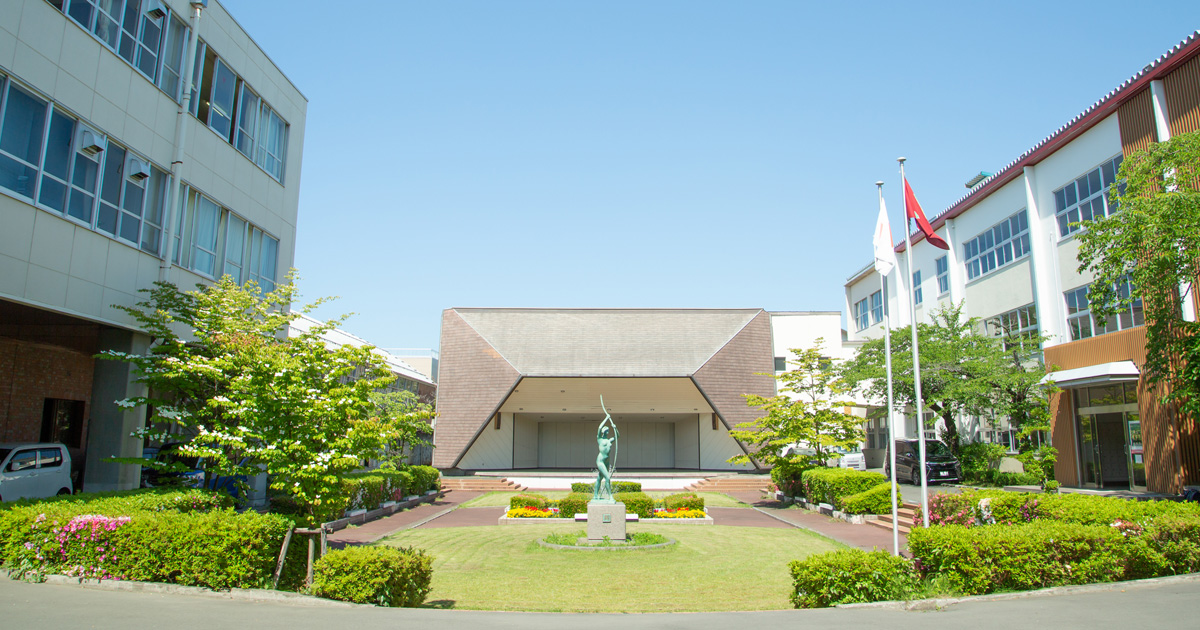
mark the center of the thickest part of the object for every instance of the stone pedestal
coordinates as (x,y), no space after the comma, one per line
(605,520)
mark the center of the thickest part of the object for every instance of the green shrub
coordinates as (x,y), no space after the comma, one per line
(528,500)
(786,476)
(828,485)
(219,549)
(617,486)
(572,504)
(687,500)
(638,503)
(850,576)
(424,479)
(980,456)
(977,560)
(146,499)
(384,576)
(1018,507)
(877,500)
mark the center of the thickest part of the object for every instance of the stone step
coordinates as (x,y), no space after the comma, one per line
(887,524)
(480,484)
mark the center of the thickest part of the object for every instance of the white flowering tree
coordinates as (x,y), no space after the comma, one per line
(223,371)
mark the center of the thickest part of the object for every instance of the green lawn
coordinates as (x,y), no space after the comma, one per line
(500,499)
(711,568)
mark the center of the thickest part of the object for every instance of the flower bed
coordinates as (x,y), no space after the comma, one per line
(679,513)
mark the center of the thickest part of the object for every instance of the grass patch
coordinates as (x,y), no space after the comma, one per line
(711,568)
(500,499)
(636,539)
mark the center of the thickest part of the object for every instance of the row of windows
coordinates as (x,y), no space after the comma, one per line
(1086,198)
(998,246)
(1017,328)
(1084,324)
(60,164)
(219,242)
(144,33)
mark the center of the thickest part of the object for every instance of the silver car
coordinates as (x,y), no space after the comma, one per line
(34,471)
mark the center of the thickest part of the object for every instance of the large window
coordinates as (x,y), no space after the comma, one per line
(998,246)
(943,274)
(862,314)
(918,294)
(219,242)
(125,27)
(230,107)
(1083,323)
(876,307)
(1085,198)
(1017,328)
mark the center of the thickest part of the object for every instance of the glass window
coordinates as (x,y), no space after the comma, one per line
(263,253)
(21,133)
(23,460)
(110,192)
(56,167)
(132,201)
(1018,328)
(272,143)
(1084,324)
(50,458)
(220,113)
(247,121)
(204,236)
(943,274)
(235,248)
(916,283)
(780,364)
(156,204)
(876,307)
(1086,198)
(998,246)
(172,58)
(861,314)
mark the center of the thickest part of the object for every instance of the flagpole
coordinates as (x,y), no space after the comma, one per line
(887,352)
(912,303)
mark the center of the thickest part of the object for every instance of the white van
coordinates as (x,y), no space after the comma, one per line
(34,471)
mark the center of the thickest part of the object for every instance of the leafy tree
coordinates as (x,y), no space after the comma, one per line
(222,371)
(408,419)
(1154,242)
(809,412)
(963,371)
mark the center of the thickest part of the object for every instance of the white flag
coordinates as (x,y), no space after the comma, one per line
(885,250)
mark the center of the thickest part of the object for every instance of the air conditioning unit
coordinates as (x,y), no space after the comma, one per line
(89,142)
(154,10)
(137,169)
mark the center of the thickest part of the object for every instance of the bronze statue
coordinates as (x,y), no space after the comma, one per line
(606,459)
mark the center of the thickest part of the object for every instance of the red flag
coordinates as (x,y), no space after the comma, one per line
(914,212)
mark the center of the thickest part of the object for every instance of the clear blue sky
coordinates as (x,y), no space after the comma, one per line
(657,154)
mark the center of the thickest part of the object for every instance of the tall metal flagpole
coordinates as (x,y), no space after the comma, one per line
(887,351)
(912,304)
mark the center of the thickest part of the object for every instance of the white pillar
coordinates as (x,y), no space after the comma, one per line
(1043,264)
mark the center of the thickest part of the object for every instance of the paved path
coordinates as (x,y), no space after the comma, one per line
(862,536)
(1164,603)
(406,519)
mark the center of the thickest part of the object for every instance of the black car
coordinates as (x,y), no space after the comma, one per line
(941,465)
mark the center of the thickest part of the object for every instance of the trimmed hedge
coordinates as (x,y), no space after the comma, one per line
(828,485)
(574,503)
(687,500)
(877,500)
(1021,507)
(786,475)
(384,576)
(144,499)
(528,500)
(638,503)
(851,576)
(618,486)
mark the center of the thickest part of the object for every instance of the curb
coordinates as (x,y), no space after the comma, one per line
(938,604)
(240,594)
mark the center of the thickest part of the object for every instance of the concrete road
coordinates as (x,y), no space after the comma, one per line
(912,494)
(1164,603)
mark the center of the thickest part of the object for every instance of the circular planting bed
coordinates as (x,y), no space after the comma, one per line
(578,541)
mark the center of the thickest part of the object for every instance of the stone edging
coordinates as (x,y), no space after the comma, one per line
(504,520)
(827,510)
(542,542)
(243,594)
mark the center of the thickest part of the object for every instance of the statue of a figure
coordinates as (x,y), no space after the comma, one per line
(606,459)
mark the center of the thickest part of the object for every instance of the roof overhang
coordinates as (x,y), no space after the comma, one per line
(1115,372)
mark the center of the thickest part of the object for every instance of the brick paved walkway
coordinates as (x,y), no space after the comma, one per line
(412,517)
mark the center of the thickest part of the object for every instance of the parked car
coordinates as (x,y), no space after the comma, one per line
(940,464)
(34,471)
(840,458)
(189,471)
(854,460)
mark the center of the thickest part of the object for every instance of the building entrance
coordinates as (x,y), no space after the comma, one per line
(1109,432)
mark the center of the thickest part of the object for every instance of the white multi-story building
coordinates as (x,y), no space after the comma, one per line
(1013,263)
(97,136)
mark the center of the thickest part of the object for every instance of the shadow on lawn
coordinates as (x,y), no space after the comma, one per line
(443,604)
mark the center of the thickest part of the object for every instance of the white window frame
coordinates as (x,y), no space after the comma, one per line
(862,314)
(1018,327)
(942,269)
(1071,211)
(918,293)
(1080,313)
(876,307)
(997,247)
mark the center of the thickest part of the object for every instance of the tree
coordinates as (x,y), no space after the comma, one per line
(408,419)
(963,371)
(1153,242)
(222,373)
(814,417)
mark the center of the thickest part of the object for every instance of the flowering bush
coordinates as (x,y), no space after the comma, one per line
(1018,507)
(532,512)
(683,500)
(528,500)
(679,513)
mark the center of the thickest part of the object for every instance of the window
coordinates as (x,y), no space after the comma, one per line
(235,248)
(247,122)
(272,143)
(207,218)
(264,251)
(174,46)
(220,104)
(1083,324)
(876,307)
(1085,198)
(916,283)
(997,246)
(943,274)
(861,314)
(124,27)
(1018,328)
(21,130)
(780,364)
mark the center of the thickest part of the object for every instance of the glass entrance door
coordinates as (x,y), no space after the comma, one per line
(1109,433)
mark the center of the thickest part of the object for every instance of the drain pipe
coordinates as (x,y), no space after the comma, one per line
(181,120)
